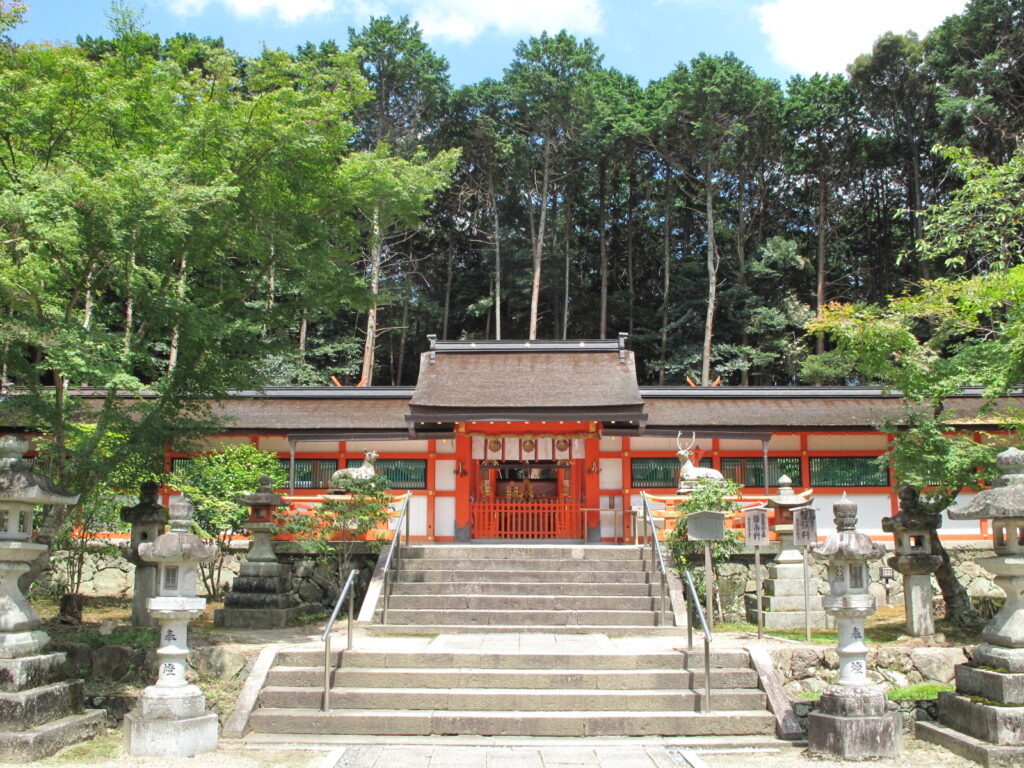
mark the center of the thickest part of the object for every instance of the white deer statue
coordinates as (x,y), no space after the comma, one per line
(688,472)
(363,472)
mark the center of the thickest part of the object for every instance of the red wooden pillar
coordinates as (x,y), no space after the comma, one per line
(431,486)
(463,458)
(592,490)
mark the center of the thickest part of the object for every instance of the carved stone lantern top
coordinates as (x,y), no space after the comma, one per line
(19,482)
(848,544)
(911,518)
(179,544)
(149,509)
(784,502)
(1005,499)
(263,502)
(22,489)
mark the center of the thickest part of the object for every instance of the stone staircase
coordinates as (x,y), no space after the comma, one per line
(508,588)
(535,690)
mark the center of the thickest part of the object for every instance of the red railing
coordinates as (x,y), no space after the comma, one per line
(536,519)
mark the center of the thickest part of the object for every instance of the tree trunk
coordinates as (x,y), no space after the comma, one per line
(631,287)
(447,296)
(370,346)
(820,292)
(567,245)
(958,603)
(916,224)
(172,358)
(667,270)
(404,334)
(538,240)
(129,302)
(497,259)
(602,248)
(712,262)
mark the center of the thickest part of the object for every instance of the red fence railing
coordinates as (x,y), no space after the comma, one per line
(536,519)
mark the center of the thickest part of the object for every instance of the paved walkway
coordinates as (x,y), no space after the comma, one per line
(505,757)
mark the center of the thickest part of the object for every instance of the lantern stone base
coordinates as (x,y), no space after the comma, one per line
(262,618)
(999,657)
(1005,688)
(170,722)
(855,723)
(1001,725)
(985,754)
(40,712)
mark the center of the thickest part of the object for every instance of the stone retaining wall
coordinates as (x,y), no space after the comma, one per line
(736,578)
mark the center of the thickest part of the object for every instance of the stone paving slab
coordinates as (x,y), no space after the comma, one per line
(579,756)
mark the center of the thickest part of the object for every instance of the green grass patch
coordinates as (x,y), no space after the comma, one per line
(877,633)
(918,691)
(809,695)
(132,637)
(104,749)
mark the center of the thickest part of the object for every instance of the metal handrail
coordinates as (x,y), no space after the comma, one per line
(693,601)
(651,537)
(346,591)
(395,553)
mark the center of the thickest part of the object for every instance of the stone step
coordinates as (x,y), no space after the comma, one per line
(527,576)
(548,679)
(549,602)
(603,589)
(512,699)
(523,552)
(523,618)
(313,657)
(389,722)
(611,630)
(505,564)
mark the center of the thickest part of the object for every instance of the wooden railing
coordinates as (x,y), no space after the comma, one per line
(535,519)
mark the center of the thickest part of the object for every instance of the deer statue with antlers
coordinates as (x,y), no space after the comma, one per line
(687,471)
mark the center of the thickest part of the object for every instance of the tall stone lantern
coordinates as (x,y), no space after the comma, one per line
(914,533)
(854,719)
(171,719)
(41,711)
(147,519)
(784,587)
(984,718)
(259,596)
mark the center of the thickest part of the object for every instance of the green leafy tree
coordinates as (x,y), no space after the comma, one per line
(214,482)
(339,524)
(708,495)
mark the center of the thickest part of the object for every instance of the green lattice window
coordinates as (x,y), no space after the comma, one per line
(749,472)
(402,474)
(658,472)
(851,471)
(312,473)
(180,465)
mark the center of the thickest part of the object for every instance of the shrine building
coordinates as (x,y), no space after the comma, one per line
(555,440)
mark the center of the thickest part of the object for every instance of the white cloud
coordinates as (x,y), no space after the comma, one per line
(288,11)
(464,20)
(811,36)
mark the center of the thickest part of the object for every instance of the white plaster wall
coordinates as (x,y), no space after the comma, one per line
(444,516)
(653,444)
(611,444)
(314,446)
(444,475)
(734,445)
(847,443)
(217,442)
(611,474)
(275,444)
(387,446)
(445,446)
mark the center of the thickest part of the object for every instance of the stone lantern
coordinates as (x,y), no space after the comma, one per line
(984,718)
(259,596)
(914,534)
(171,719)
(784,587)
(854,720)
(147,519)
(42,712)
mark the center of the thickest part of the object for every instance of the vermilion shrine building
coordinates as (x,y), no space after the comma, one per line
(555,439)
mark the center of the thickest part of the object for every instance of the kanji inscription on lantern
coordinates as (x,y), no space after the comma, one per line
(169,636)
(757,527)
(805,527)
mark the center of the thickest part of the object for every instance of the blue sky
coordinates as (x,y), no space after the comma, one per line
(645,38)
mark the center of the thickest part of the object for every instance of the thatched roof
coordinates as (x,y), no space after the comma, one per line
(526,381)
